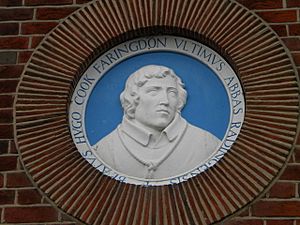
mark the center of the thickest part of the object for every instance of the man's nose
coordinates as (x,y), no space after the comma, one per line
(164,99)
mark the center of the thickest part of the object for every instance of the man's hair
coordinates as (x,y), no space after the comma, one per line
(130,98)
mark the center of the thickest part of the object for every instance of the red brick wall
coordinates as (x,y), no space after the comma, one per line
(281,205)
(23,24)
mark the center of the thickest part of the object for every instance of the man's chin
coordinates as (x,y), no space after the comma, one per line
(162,124)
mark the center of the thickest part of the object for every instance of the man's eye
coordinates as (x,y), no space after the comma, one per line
(152,91)
(173,93)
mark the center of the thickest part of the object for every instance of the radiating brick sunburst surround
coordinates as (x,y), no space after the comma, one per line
(263,147)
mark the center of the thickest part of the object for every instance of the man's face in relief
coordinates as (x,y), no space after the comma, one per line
(158,102)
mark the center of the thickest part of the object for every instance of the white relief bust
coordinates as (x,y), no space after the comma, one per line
(153,140)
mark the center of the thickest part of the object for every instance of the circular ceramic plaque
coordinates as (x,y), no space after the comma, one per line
(213,112)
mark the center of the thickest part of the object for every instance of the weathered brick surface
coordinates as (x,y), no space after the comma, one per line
(37,27)
(297,155)
(82,1)
(13,147)
(296,57)
(280,30)
(21,30)
(292,43)
(259,4)
(8,163)
(283,190)
(4,147)
(31,214)
(279,16)
(294,29)
(245,222)
(280,222)
(8,86)
(1,180)
(10,2)
(36,41)
(6,116)
(18,179)
(48,2)
(15,14)
(287,208)
(8,57)
(293,3)
(7,197)
(54,13)
(24,56)
(292,172)
(14,42)
(29,197)
(9,28)
(6,101)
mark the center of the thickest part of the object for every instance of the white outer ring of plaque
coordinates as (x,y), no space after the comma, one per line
(86,150)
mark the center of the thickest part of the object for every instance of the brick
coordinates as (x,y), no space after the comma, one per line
(8,86)
(37,27)
(8,58)
(283,190)
(259,4)
(36,41)
(297,153)
(10,2)
(11,71)
(8,163)
(6,131)
(83,1)
(292,172)
(26,197)
(296,57)
(48,2)
(24,56)
(6,101)
(244,212)
(280,222)
(54,13)
(29,215)
(66,218)
(292,3)
(276,208)
(283,16)
(292,44)
(18,179)
(14,42)
(244,222)
(16,14)
(280,30)
(294,29)
(3,147)
(6,115)
(13,148)
(9,28)
(7,197)
(1,180)
(63,223)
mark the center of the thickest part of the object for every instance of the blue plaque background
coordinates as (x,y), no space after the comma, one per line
(207,104)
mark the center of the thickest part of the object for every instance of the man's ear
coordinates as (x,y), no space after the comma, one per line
(136,100)
(179,106)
